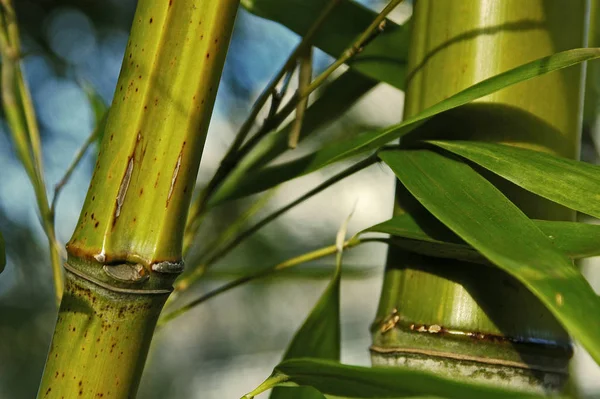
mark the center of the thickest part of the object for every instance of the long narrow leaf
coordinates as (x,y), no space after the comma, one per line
(381,382)
(383,59)
(478,213)
(573,184)
(335,152)
(428,236)
(320,335)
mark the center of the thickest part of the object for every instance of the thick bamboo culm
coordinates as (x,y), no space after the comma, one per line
(126,249)
(454,318)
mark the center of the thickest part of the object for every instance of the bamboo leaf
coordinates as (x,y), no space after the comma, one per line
(478,213)
(320,335)
(427,236)
(570,183)
(370,141)
(383,59)
(381,382)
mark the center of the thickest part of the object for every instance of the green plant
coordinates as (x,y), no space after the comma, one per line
(452,228)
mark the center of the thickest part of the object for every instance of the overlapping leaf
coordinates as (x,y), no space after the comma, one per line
(268,177)
(483,217)
(383,59)
(573,184)
(428,236)
(381,382)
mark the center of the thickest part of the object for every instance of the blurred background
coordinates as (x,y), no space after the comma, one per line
(228,345)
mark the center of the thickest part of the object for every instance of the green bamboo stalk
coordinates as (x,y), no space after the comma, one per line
(462,321)
(126,249)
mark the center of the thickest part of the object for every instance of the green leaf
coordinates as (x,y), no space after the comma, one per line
(382,59)
(320,336)
(370,141)
(338,96)
(427,236)
(481,215)
(2,254)
(381,382)
(573,184)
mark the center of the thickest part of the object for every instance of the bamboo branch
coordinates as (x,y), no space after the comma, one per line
(374,29)
(267,92)
(76,160)
(234,227)
(186,281)
(304,258)
(304,78)
(231,158)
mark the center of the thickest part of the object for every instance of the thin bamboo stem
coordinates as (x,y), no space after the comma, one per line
(25,132)
(304,78)
(186,280)
(298,260)
(76,160)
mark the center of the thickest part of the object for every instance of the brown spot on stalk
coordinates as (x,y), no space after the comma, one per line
(150,20)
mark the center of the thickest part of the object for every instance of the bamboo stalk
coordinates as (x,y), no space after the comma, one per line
(126,249)
(461,321)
